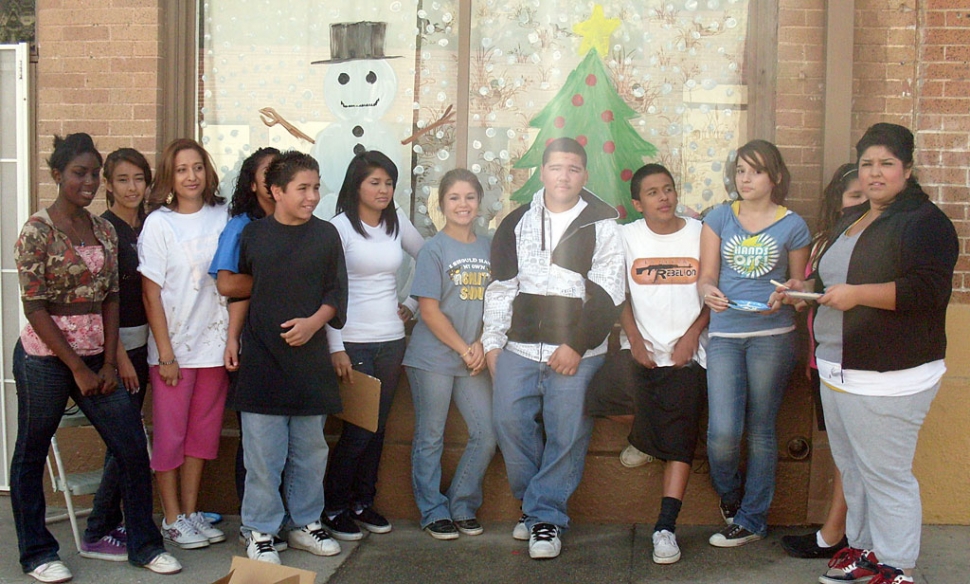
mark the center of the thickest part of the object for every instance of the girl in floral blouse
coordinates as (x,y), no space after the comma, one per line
(67,262)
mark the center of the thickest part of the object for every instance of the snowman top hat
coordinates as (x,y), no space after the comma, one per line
(351,41)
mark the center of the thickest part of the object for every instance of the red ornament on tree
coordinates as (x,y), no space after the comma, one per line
(614,145)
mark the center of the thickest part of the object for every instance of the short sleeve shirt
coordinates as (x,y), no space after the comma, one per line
(227,253)
(456,275)
(749,261)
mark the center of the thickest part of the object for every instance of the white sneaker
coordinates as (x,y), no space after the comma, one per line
(164,563)
(202,525)
(544,542)
(54,571)
(631,457)
(312,538)
(520,531)
(184,534)
(260,548)
(665,548)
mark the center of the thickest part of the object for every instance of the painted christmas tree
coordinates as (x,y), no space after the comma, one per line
(589,109)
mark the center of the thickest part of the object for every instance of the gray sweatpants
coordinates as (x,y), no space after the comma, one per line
(873,442)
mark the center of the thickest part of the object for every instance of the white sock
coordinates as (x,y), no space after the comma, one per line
(820,541)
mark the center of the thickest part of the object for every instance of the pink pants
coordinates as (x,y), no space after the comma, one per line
(187,418)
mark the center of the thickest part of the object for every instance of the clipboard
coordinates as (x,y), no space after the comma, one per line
(361,401)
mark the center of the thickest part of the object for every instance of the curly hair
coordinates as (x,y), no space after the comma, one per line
(244,198)
(69,148)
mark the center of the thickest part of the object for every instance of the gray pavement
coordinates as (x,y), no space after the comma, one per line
(591,554)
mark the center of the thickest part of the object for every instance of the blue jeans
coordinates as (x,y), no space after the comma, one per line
(529,400)
(106,510)
(43,386)
(351,481)
(291,447)
(746,380)
(432,394)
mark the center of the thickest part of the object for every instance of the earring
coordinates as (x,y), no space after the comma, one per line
(169,198)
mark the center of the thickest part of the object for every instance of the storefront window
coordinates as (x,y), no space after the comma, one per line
(636,80)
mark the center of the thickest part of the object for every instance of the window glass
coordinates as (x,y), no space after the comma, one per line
(636,80)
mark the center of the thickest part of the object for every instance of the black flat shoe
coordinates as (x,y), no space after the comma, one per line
(806,546)
(469,526)
(442,529)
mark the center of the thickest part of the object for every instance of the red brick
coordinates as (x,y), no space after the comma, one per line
(955,18)
(957,53)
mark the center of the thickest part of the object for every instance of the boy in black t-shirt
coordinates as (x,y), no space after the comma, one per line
(287,385)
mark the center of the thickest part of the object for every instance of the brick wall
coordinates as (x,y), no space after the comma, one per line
(97,73)
(942,119)
(799,99)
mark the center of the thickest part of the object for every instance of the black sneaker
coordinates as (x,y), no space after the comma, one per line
(733,536)
(372,521)
(342,526)
(469,527)
(442,529)
(729,510)
(806,546)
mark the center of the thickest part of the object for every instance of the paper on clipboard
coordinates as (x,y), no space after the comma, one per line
(361,401)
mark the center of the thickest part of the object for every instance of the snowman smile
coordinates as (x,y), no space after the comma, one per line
(361,104)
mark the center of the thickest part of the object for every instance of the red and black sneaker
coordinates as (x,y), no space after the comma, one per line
(851,566)
(890,575)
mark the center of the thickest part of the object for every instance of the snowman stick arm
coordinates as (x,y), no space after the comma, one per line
(446,118)
(270,118)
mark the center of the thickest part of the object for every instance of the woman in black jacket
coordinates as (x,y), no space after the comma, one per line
(886,277)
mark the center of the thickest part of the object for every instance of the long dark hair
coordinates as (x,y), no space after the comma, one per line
(133,157)
(164,184)
(831,208)
(244,197)
(348,200)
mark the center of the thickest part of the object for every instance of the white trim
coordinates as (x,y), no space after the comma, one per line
(8,418)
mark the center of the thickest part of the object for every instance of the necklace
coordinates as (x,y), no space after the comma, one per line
(70,225)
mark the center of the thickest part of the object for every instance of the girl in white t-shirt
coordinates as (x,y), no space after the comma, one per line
(374,236)
(188,322)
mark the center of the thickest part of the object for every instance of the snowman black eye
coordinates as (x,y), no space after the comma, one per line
(343,79)
(371,77)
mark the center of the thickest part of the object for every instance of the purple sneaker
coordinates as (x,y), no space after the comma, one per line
(119,533)
(107,548)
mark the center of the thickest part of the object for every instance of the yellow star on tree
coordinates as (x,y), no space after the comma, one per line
(596,31)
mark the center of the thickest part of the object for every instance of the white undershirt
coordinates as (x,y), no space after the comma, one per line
(560,221)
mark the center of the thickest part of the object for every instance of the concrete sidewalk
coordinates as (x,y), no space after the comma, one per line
(591,554)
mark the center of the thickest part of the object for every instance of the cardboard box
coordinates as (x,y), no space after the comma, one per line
(246,571)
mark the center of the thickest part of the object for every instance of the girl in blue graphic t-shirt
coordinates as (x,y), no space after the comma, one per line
(445,362)
(751,354)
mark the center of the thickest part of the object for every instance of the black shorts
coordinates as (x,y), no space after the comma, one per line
(667,404)
(610,392)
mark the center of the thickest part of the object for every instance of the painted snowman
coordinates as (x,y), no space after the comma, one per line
(359,89)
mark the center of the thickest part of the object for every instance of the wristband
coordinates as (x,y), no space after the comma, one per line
(172,362)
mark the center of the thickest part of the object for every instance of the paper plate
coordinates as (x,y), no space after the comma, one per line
(748,305)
